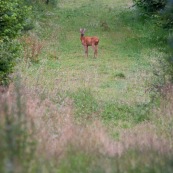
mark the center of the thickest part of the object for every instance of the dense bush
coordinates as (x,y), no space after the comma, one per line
(9,51)
(150,5)
(167,15)
(13,17)
(161,12)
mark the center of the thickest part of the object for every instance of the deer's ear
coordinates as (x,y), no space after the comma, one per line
(80,29)
(84,30)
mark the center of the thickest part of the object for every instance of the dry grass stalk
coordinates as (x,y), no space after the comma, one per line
(32,47)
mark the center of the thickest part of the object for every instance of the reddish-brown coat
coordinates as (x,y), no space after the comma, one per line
(89,41)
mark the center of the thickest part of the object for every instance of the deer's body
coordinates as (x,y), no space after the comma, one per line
(89,41)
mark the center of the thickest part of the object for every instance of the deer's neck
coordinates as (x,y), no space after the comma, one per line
(82,37)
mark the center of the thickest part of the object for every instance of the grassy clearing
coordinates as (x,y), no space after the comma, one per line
(89,112)
(119,76)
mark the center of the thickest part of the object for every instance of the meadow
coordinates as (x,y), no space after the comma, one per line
(95,114)
(120,75)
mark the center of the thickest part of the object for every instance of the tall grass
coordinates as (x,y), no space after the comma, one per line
(72,147)
(17,147)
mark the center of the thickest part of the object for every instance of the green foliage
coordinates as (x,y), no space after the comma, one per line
(13,17)
(150,5)
(160,13)
(9,51)
(161,10)
(167,15)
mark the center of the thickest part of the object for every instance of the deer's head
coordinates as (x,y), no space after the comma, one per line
(82,31)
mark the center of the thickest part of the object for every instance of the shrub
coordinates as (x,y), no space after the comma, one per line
(150,5)
(9,51)
(13,15)
(12,18)
(161,12)
(167,15)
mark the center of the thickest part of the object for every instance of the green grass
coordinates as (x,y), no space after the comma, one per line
(117,111)
(76,162)
(85,103)
(133,161)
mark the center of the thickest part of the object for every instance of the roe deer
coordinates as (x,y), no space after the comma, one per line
(89,41)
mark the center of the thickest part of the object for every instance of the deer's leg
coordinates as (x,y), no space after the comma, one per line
(95,50)
(86,50)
